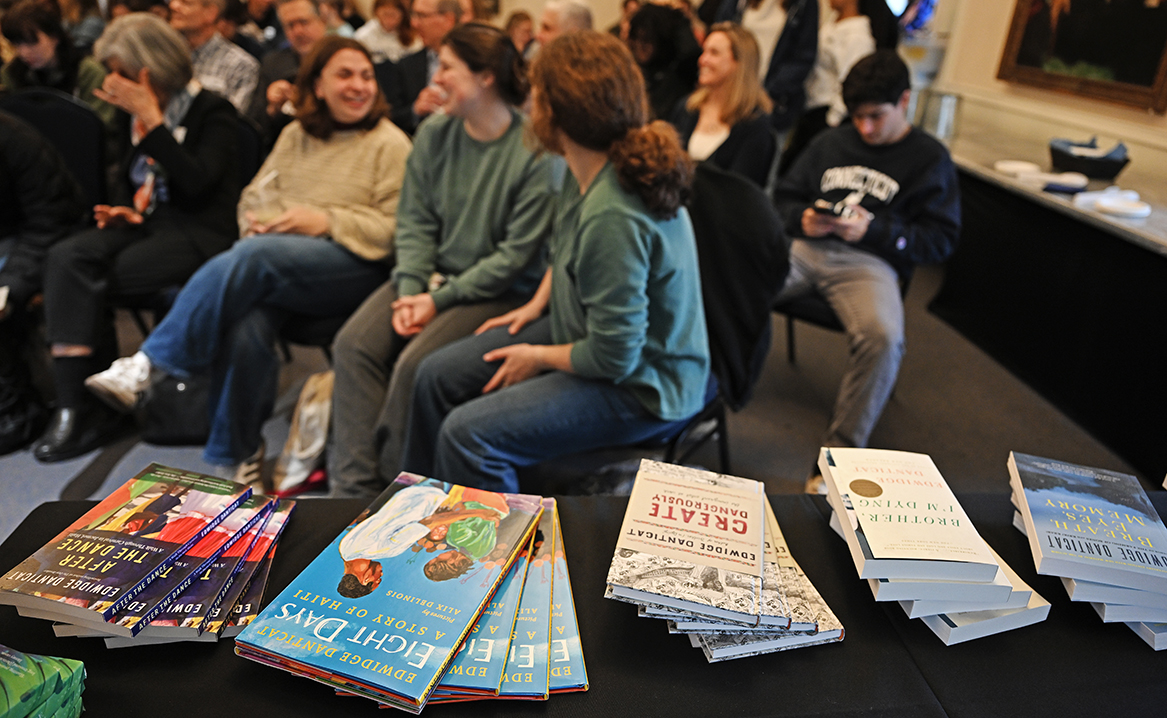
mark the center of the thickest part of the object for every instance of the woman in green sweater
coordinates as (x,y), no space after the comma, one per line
(476,207)
(622,357)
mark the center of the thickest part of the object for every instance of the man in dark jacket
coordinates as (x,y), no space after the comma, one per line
(274,92)
(792,58)
(865,203)
(40,203)
(407,84)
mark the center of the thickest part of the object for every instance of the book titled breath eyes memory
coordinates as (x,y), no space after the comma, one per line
(691,540)
(96,566)
(1090,524)
(381,612)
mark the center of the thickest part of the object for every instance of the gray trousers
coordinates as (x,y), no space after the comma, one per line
(375,369)
(864,292)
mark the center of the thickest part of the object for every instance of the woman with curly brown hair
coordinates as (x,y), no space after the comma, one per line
(622,355)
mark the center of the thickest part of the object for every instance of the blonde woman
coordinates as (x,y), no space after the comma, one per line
(727,120)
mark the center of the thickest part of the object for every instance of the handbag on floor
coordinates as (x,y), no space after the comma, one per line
(299,467)
(174,412)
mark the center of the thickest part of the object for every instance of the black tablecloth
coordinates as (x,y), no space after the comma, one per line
(1072,310)
(1072,664)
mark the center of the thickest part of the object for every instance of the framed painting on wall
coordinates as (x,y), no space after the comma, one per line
(1112,50)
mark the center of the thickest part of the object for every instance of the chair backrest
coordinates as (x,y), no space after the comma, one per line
(744,258)
(73,128)
(250,149)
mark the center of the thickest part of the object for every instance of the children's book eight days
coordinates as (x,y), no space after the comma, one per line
(383,609)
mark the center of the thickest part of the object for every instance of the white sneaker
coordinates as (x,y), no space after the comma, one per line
(122,384)
(250,472)
(815,485)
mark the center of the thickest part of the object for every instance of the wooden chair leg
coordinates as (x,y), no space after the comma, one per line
(140,320)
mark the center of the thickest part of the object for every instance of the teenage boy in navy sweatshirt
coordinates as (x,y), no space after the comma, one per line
(865,203)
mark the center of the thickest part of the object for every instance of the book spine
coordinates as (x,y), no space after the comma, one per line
(129,595)
(186,582)
(226,588)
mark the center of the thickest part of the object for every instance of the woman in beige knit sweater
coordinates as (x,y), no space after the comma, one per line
(318,224)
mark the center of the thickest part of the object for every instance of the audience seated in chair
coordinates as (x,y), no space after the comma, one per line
(842,42)
(318,221)
(174,209)
(520,28)
(83,22)
(889,201)
(727,120)
(234,16)
(219,65)
(560,16)
(408,84)
(389,33)
(46,57)
(40,203)
(661,39)
(275,91)
(787,35)
(475,212)
(623,355)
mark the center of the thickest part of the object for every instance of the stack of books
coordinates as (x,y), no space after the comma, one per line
(436,592)
(35,686)
(704,552)
(1098,532)
(913,543)
(168,556)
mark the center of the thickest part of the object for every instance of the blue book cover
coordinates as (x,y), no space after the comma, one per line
(568,672)
(526,675)
(1090,524)
(383,609)
(477,668)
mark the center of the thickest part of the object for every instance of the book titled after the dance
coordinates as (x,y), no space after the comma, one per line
(96,566)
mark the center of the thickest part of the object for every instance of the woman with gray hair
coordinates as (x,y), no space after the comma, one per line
(174,207)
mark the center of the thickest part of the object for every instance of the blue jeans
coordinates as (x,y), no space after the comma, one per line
(227,318)
(458,434)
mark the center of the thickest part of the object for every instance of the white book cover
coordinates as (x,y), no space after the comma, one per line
(1079,590)
(714,628)
(1155,634)
(774,608)
(1018,597)
(722,647)
(923,589)
(1116,613)
(692,539)
(908,522)
(953,628)
(799,599)
(1090,524)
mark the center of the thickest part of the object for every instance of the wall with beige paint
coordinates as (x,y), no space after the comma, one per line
(992,107)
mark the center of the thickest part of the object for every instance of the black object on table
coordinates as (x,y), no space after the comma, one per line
(1072,664)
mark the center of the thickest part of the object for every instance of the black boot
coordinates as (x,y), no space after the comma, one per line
(22,418)
(77,430)
(22,413)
